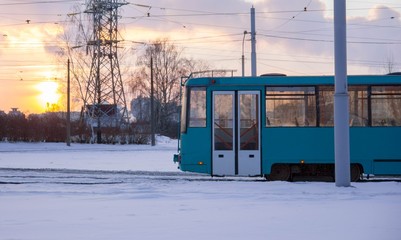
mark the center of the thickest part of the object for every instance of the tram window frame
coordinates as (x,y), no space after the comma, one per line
(384,115)
(358,105)
(197,107)
(303,115)
(325,99)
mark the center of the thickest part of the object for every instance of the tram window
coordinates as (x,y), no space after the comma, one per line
(358,106)
(290,106)
(326,106)
(197,107)
(184,102)
(248,124)
(386,105)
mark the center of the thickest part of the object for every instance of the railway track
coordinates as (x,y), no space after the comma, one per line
(95,177)
(85,177)
(98,177)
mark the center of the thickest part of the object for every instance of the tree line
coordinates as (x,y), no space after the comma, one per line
(16,126)
(52,127)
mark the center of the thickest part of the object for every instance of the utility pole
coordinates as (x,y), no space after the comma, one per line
(152,97)
(341,98)
(253,41)
(68,105)
(152,111)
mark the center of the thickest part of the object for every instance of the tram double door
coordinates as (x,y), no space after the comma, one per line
(236,133)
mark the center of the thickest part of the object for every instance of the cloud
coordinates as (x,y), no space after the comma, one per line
(376,38)
(380,12)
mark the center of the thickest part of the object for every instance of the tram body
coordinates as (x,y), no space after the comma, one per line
(281,127)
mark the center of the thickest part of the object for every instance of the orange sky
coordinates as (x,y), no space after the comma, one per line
(289,40)
(27,64)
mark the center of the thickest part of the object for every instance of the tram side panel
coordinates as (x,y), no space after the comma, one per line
(376,149)
(196,151)
(294,145)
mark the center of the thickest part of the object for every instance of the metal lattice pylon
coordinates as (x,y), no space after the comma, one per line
(105,103)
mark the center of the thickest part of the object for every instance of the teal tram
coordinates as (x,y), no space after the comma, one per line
(281,127)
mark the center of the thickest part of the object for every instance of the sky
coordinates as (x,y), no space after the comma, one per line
(294,37)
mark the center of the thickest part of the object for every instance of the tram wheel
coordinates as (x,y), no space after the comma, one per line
(355,173)
(280,172)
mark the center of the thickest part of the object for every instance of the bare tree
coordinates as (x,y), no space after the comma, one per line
(74,38)
(390,65)
(168,67)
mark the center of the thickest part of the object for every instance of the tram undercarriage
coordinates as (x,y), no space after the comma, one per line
(317,172)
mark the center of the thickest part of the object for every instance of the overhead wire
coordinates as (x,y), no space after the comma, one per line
(38,2)
(330,41)
(293,17)
(257,12)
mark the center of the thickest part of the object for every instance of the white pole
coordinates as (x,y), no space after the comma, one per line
(341,98)
(253,41)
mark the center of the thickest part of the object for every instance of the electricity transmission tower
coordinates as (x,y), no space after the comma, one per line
(104,100)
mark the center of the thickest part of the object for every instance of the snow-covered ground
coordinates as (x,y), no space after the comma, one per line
(116,192)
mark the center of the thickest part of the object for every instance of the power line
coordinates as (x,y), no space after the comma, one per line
(33,14)
(293,17)
(185,24)
(38,2)
(329,41)
(247,13)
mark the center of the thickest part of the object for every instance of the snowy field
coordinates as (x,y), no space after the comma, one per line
(51,191)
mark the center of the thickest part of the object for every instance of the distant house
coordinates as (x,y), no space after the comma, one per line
(108,115)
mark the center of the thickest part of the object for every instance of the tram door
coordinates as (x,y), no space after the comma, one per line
(236,133)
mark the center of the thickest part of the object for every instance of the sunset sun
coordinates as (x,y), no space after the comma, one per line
(48,94)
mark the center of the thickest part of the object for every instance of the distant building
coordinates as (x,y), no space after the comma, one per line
(140,109)
(15,112)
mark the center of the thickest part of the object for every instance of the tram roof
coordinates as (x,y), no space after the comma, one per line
(294,80)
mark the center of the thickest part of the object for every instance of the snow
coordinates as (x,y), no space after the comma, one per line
(90,157)
(137,192)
